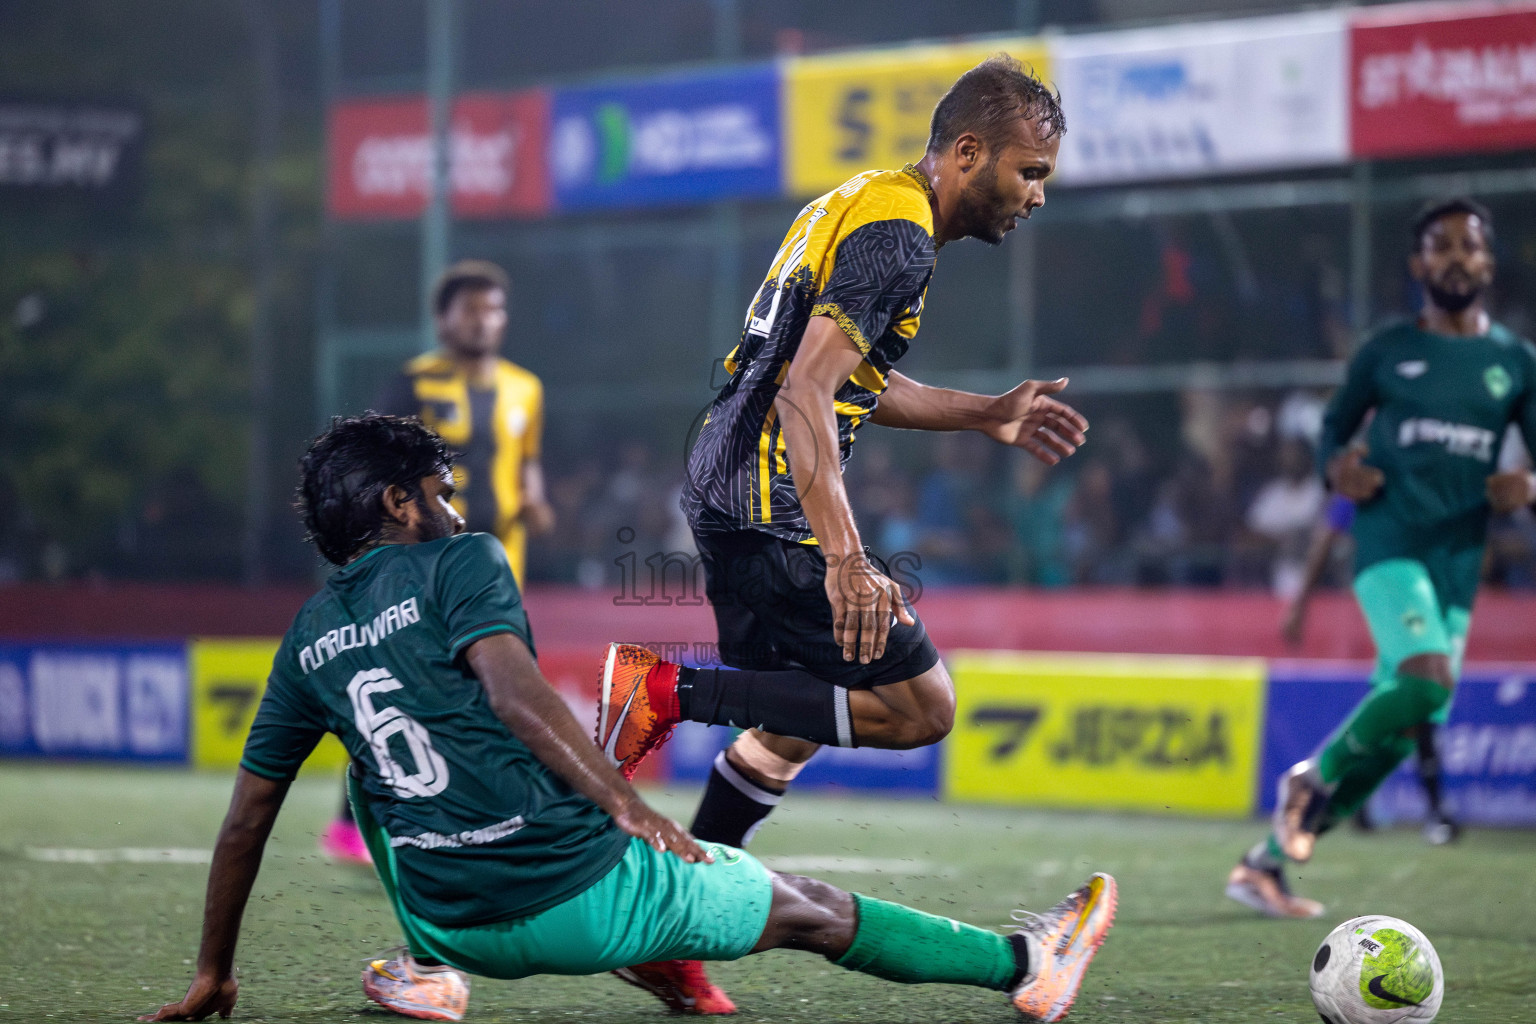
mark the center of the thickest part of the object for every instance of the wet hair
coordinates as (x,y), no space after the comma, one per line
(986,101)
(472,274)
(346,470)
(1433,210)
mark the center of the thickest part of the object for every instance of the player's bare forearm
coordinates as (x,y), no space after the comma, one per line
(530,708)
(907,404)
(863,600)
(825,359)
(1318,552)
(236,859)
(538,515)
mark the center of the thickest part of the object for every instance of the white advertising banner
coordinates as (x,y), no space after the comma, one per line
(1194,100)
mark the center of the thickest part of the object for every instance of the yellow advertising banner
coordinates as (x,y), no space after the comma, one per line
(850,112)
(1145,733)
(228,678)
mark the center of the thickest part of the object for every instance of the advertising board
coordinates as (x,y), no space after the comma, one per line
(228,677)
(849,112)
(693,747)
(94,700)
(380,153)
(1192,100)
(1454,78)
(1487,748)
(1129,732)
(671,139)
(75,147)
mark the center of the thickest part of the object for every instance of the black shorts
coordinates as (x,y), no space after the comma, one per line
(771,607)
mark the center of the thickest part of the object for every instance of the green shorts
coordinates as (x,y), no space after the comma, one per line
(1407,617)
(651,906)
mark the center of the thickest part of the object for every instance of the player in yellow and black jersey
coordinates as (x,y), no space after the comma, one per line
(821,645)
(489,409)
(860,256)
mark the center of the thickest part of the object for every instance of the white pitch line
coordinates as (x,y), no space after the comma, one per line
(813,863)
(119,855)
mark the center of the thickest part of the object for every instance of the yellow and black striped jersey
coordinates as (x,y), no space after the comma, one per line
(495,426)
(862,254)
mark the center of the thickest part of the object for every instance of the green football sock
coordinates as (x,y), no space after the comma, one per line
(898,943)
(1363,776)
(1378,721)
(1265,854)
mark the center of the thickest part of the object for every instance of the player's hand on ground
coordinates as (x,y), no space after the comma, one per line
(1351,477)
(1508,491)
(206,995)
(864,603)
(1027,417)
(661,832)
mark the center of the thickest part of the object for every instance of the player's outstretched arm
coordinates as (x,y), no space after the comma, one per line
(236,858)
(863,599)
(1320,548)
(527,705)
(1026,417)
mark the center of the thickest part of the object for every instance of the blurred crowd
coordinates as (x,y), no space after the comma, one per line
(1224,495)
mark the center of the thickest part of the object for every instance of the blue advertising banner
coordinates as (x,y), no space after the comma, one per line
(94,700)
(693,747)
(1487,748)
(678,139)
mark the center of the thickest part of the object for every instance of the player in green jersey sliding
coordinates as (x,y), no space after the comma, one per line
(1444,389)
(506,843)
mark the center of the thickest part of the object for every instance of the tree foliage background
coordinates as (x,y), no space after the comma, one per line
(125,330)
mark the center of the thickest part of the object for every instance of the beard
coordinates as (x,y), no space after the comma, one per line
(1453,292)
(982,215)
(435,521)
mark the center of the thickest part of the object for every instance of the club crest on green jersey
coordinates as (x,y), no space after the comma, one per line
(1497,380)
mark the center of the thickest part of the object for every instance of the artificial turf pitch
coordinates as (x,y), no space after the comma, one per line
(107,941)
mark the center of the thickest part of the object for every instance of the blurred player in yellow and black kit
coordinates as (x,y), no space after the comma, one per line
(489,409)
(822,646)
(491,412)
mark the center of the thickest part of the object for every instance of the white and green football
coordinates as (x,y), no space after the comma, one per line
(1376,970)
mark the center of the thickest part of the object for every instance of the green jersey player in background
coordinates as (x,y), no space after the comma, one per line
(1444,389)
(506,843)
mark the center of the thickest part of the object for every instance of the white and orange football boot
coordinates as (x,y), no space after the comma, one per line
(1065,938)
(637,709)
(681,984)
(412,990)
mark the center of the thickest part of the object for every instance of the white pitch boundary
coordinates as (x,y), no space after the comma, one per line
(814,863)
(119,855)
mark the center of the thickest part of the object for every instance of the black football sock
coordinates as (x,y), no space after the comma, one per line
(733,806)
(346,806)
(787,702)
(1429,767)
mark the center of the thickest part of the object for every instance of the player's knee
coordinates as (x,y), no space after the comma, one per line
(1434,667)
(922,729)
(809,914)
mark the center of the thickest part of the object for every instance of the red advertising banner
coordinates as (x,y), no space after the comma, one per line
(1443,79)
(380,154)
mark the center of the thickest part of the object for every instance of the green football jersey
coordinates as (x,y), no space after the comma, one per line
(1442,405)
(480,829)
